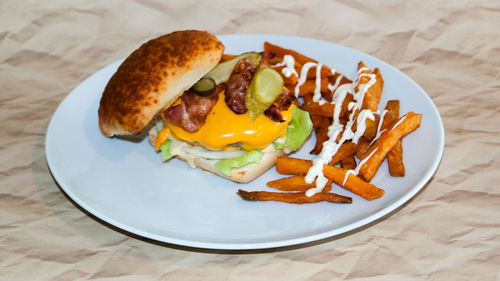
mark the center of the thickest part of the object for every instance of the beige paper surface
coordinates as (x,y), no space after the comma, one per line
(449,231)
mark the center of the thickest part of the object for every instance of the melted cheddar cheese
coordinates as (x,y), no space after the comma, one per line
(223,127)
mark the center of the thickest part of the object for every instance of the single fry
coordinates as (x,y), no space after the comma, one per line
(325,109)
(281,52)
(371,128)
(348,163)
(292,197)
(290,165)
(373,94)
(392,114)
(320,125)
(295,183)
(346,150)
(395,155)
(362,147)
(406,124)
(395,160)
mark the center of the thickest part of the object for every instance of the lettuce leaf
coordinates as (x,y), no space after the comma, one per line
(165,151)
(298,130)
(226,165)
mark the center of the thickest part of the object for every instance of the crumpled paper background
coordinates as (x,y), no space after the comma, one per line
(449,231)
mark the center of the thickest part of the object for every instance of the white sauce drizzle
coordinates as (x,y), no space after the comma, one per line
(317,92)
(289,63)
(333,87)
(361,124)
(358,167)
(303,76)
(331,146)
(379,127)
(399,122)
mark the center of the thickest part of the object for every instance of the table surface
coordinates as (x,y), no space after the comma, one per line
(448,231)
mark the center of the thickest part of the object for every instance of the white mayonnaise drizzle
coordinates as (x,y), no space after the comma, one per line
(399,122)
(331,146)
(289,63)
(379,127)
(303,76)
(317,89)
(362,88)
(361,124)
(333,87)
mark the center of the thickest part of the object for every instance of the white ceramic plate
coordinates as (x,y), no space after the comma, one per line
(126,184)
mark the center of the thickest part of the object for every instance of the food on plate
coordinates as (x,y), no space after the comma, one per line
(295,197)
(231,115)
(395,155)
(342,177)
(294,183)
(379,149)
(350,130)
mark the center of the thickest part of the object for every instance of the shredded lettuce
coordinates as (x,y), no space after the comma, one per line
(298,130)
(165,151)
(226,165)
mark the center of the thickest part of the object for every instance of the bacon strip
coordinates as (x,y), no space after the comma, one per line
(283,102)
(285,99)
(237,85)
(192,113)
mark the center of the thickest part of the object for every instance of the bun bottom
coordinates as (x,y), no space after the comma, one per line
(244,174)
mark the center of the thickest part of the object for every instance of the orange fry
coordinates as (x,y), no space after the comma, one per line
(281,52)
(325,109)
(292,166)
(395,155)
(320,125)
(347,149)
(299,58)
(373,94)
(348,163)
(392,114)
(395,160)
(295,183)
(371,128)
(362,147)
(292,197)
(406,124)
(289,165)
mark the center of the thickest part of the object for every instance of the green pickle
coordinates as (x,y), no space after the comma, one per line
(204,87)
(266,86)
(221,73)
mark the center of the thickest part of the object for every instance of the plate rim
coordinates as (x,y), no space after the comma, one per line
(257,245)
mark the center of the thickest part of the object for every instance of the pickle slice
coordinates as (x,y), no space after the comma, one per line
(221,73)
(204,87)
(267,84)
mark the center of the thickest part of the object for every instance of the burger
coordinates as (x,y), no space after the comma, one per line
(229,115)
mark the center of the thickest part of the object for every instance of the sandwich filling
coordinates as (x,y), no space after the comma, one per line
(223,126)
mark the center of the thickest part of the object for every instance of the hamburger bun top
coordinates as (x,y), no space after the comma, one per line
(153,77)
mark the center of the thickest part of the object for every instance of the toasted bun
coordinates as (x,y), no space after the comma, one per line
(153,77)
